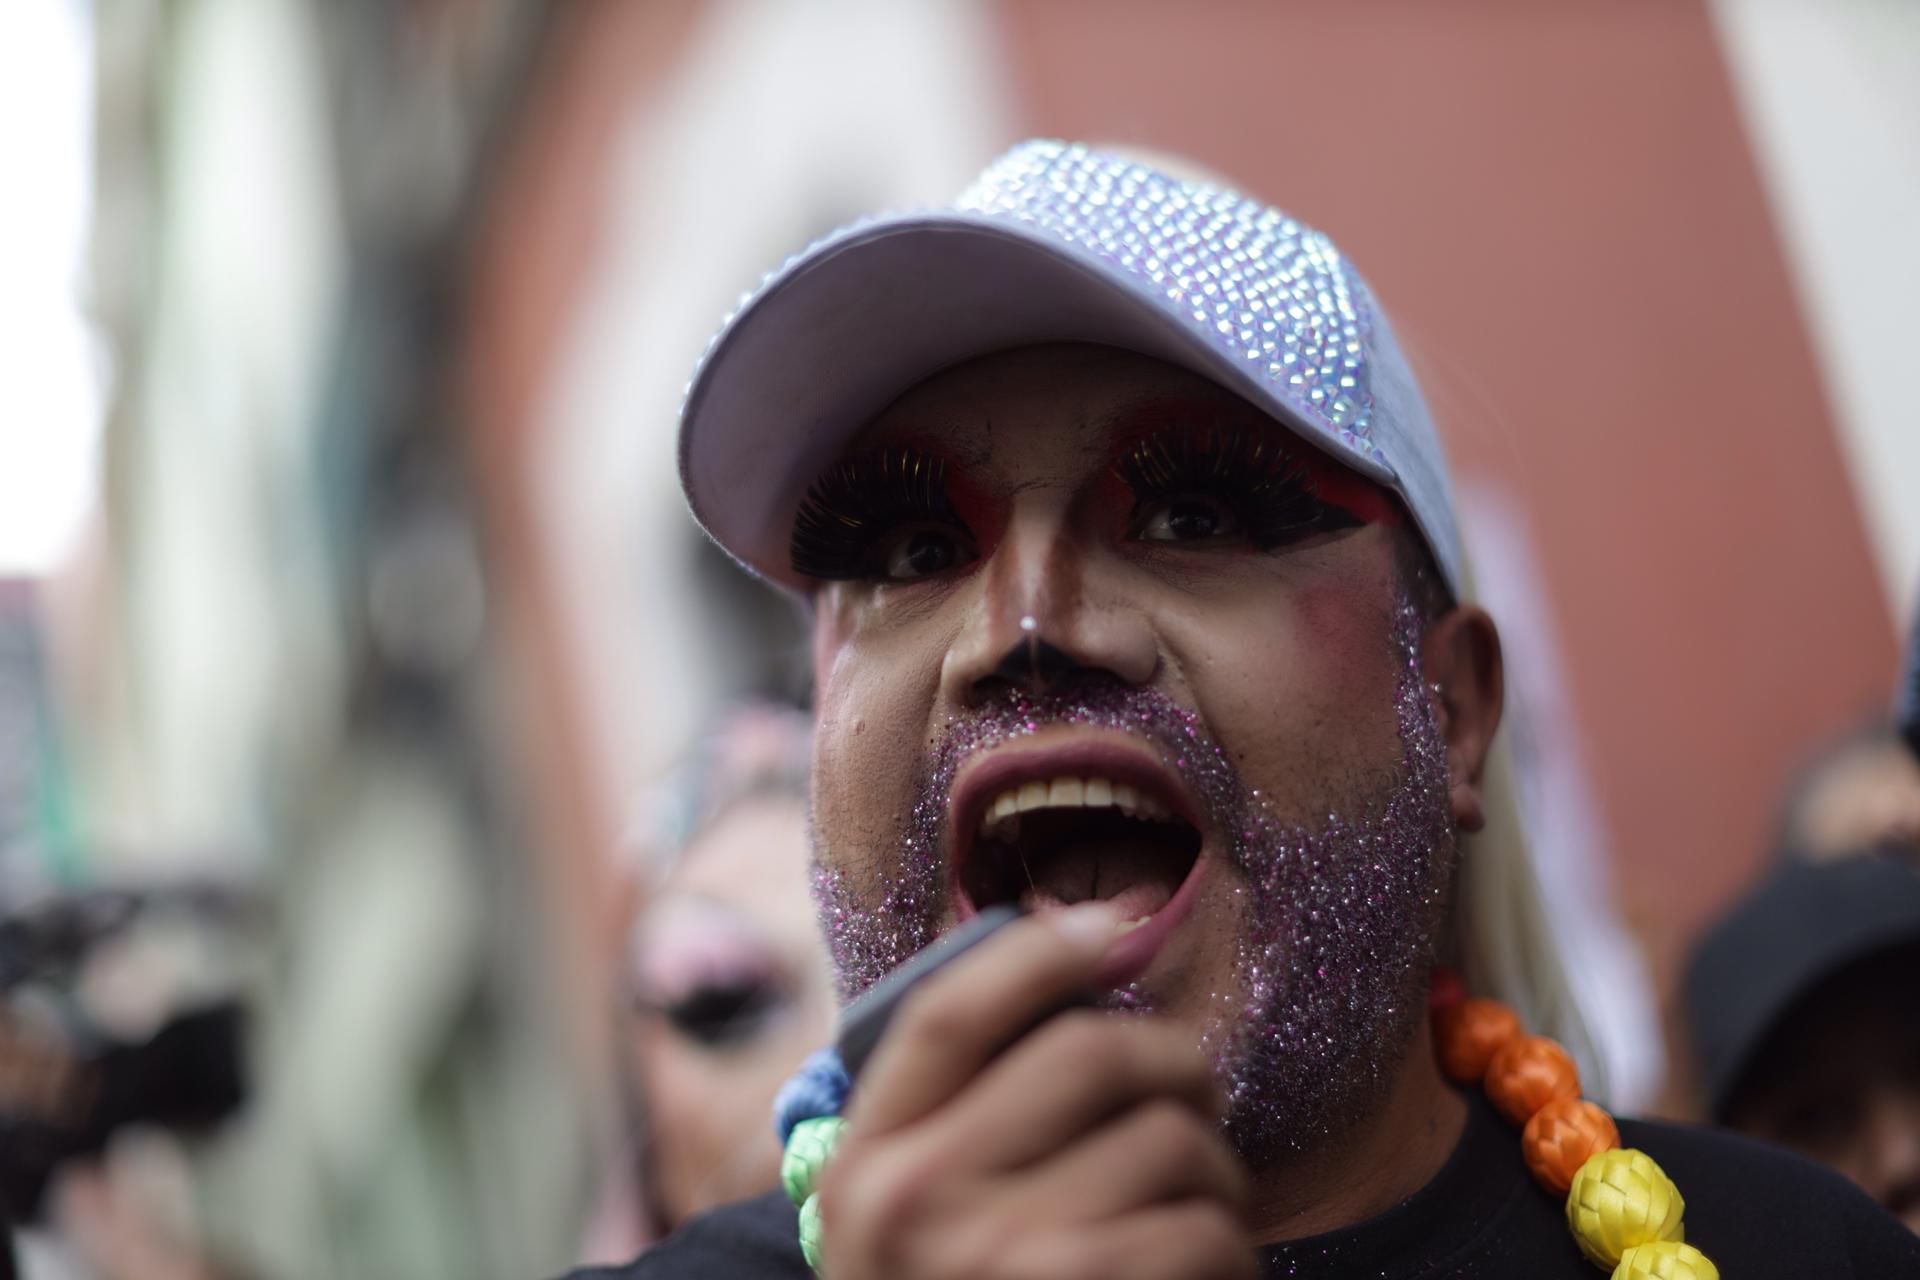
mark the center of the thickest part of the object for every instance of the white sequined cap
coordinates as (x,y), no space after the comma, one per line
(1053,243)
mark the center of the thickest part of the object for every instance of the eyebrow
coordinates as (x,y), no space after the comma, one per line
(1122,425)
(1136,419)
(972,450)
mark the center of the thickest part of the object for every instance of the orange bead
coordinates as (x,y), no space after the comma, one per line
(1528,1073)
(1563,1135)
(1467,1035)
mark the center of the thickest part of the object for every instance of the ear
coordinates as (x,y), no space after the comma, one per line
(1460,659)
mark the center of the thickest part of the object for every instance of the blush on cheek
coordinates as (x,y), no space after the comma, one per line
(1296,686)
(1343,627)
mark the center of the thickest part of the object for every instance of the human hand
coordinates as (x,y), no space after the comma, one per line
(1086,1147)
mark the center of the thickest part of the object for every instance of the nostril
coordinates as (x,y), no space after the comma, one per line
(1034,665)
(1071,681)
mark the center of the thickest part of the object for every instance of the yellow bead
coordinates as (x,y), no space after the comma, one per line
(1665,1260)
(1620,1199)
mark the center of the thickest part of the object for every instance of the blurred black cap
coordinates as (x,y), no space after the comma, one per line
(1801,926)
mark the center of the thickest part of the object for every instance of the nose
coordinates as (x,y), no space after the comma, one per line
(1050,613)
(1035,666)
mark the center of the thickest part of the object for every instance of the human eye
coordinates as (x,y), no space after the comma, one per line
(914,552)
(1222,485)
(1187,517)
(725,1012)
(882,516)
(709,974)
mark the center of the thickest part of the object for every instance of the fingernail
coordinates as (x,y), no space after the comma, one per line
(1090,925)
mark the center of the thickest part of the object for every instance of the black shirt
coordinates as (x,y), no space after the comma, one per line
(1758,1213)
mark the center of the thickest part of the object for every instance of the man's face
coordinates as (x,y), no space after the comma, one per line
(1096,628)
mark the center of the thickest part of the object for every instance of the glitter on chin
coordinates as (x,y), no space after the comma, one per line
(1338,943)
(1337,933)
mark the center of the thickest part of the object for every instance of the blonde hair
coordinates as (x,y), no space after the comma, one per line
(1504,944)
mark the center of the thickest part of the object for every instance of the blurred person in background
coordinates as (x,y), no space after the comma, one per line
(120,1053)
(726,978)
(1805,998)
(1862,792)
(1137,602)
(1805,1009)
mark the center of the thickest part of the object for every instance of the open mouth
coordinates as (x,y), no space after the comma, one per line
(1057,840)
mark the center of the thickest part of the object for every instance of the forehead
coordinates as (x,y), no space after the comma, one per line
(1055,400)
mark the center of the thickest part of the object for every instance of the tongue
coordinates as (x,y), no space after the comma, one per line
(1134,877)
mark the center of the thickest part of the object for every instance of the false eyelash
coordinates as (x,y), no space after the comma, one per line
(1272,491)
(859,500)
(722,1014)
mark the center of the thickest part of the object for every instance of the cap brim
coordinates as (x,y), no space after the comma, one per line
(845,328)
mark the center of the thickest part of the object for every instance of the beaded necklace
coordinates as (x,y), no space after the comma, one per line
(1624,1212)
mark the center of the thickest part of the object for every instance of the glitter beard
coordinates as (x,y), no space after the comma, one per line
(1338,928)
(1339,942)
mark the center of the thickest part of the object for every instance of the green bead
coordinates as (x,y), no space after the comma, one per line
(808,1147)
(810,1231)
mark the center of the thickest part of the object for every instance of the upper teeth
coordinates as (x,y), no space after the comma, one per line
(1002,817)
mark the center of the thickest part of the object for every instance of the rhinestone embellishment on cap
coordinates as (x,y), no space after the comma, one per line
(1267,291)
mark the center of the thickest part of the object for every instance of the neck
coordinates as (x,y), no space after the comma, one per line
(1368,1169)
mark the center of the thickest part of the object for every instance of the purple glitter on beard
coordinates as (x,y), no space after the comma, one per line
(1337,933)
(1339,941)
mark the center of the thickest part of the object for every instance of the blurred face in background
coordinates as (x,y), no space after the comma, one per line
(1867,796)
(731,980)
(1839,1080)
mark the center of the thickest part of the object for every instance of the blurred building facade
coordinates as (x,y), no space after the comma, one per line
(282,670)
